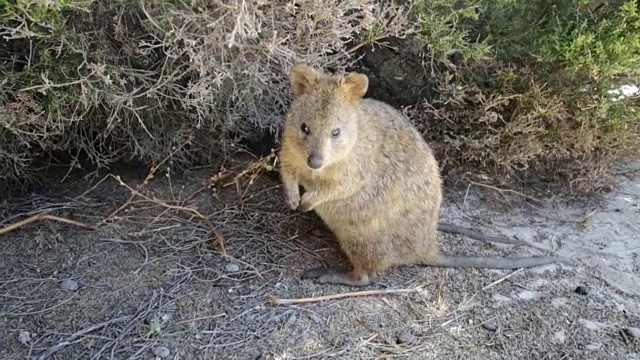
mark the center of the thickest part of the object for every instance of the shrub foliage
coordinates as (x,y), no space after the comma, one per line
(545,97)
(114,80)
(521,85)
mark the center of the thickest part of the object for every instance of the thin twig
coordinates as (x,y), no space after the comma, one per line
(256,166)
(506,190)
(147,179)
(502,279)
(54,349)
(277,301)
(219,239)
(42,216)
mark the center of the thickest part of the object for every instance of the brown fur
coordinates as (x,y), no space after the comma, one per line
(376,185)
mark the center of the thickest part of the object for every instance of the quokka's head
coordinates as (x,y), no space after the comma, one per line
(323,116)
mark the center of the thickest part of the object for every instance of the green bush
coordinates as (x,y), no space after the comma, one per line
(540,99)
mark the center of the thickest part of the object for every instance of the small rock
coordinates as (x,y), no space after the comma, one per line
(560,337)
(232,267)
(593,346)
(632,332)
(581,290)
(207,256)
(24,337)
(69,285)
(406,338)
(161,352)
(501,298)
(527,295)
(490,327)
(559,302)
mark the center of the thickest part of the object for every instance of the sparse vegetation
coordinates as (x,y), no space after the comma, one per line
(520,85)
(541,98)
(111,80)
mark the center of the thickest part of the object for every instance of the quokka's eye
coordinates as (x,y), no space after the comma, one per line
(304,128)
(335,133)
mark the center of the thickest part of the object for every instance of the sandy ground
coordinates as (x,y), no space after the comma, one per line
(151,283)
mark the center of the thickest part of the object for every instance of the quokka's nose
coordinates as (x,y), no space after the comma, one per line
(314,161)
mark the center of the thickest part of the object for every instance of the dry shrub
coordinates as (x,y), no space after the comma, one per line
(540,105)
(106,81)
(511,122)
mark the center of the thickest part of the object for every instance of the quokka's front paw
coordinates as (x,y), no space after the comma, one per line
(306,202)
(293,201)
(305,206)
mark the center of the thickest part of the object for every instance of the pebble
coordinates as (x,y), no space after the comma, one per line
(232,267)
(527,295)
(490,327)
(24,337)
(161,352)
(501,298)
(406,338)
(69,285)
(581,290)
(594,346)
(632,332)
(560,337)
(559,302)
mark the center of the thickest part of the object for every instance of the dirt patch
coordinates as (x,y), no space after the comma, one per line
(153,280)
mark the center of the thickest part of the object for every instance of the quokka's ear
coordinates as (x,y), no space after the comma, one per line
(354,86)
(302,77)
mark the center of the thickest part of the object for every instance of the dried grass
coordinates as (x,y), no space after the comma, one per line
(103,81)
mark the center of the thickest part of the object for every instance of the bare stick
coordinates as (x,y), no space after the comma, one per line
(59,346)
(146,180)
(277,301)
(477,235)
(502,279)
(254,167)
(41,216)
(500,190)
